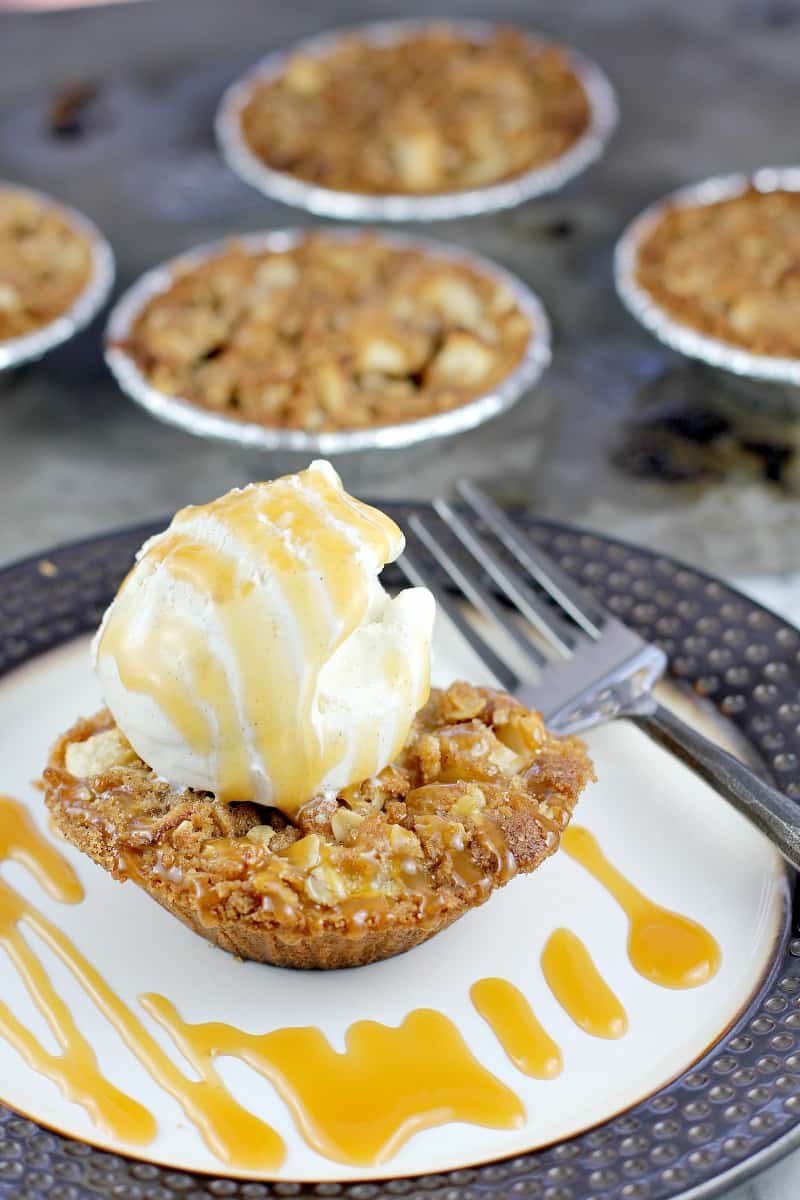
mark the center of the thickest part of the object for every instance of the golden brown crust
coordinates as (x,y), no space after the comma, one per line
(730,270)
(480,792)
(330,334)
(45,262)
(433,112)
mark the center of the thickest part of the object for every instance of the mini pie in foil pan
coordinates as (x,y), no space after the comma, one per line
(18,350)
(201,421)
(742,365)
(361,206)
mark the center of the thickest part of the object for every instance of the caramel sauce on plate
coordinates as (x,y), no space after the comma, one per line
(665,947)
(235,1135)
(579,987)
(357,1107)
(514,1023)
(361,1106)
(21,842)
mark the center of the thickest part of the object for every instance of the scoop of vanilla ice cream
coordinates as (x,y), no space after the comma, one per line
(252,651)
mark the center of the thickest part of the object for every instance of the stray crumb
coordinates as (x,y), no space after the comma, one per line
(67,108)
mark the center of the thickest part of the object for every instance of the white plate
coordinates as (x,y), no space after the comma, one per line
(662,827)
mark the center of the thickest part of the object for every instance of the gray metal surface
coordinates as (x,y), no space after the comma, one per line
(629,438)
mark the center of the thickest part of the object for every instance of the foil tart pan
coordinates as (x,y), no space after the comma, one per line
(360,206)
(16,351)
(191,417)
(751,381)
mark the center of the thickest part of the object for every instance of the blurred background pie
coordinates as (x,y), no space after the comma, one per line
(730,269)
(329,334)
(434,111)
(45,262)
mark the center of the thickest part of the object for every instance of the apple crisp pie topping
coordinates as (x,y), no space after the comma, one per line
(330,334)
(731,270)
(480,791)
(432,112)
(45,263)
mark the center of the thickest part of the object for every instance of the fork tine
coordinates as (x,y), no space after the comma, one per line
(583,608)
(412,567)
(466,577)
(548,621)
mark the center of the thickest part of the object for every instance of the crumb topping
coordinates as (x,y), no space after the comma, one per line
(45,262)
(730,270)
(432,112)
(330,334)
(480,792)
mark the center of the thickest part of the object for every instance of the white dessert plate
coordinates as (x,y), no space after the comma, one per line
(661,827)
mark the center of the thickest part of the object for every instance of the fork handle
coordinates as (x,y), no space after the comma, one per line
(770,811)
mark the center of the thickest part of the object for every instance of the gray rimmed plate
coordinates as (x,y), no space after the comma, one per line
(358,206)
(735,1108)
(765,379)
(16,351)
(194,419)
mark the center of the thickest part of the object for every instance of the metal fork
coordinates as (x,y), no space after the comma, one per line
(580,666)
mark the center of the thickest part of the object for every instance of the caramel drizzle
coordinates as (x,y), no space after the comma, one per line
(230,1131)
(21,842)
(579,987)
(358,1107)
(305,532)
(361,1106)
(663,946)
(515,1025)
(75,1069)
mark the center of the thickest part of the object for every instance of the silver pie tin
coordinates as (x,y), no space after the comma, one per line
(360,206)
(195,419)
(772,379)
(16,351)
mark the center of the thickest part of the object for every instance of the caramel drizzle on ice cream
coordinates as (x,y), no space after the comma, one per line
(317,550)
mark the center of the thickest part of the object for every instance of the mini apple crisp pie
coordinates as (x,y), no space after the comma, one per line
(432,112)
(45,263)
(272,765)
(480,792)
(329,334)
(731,269)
